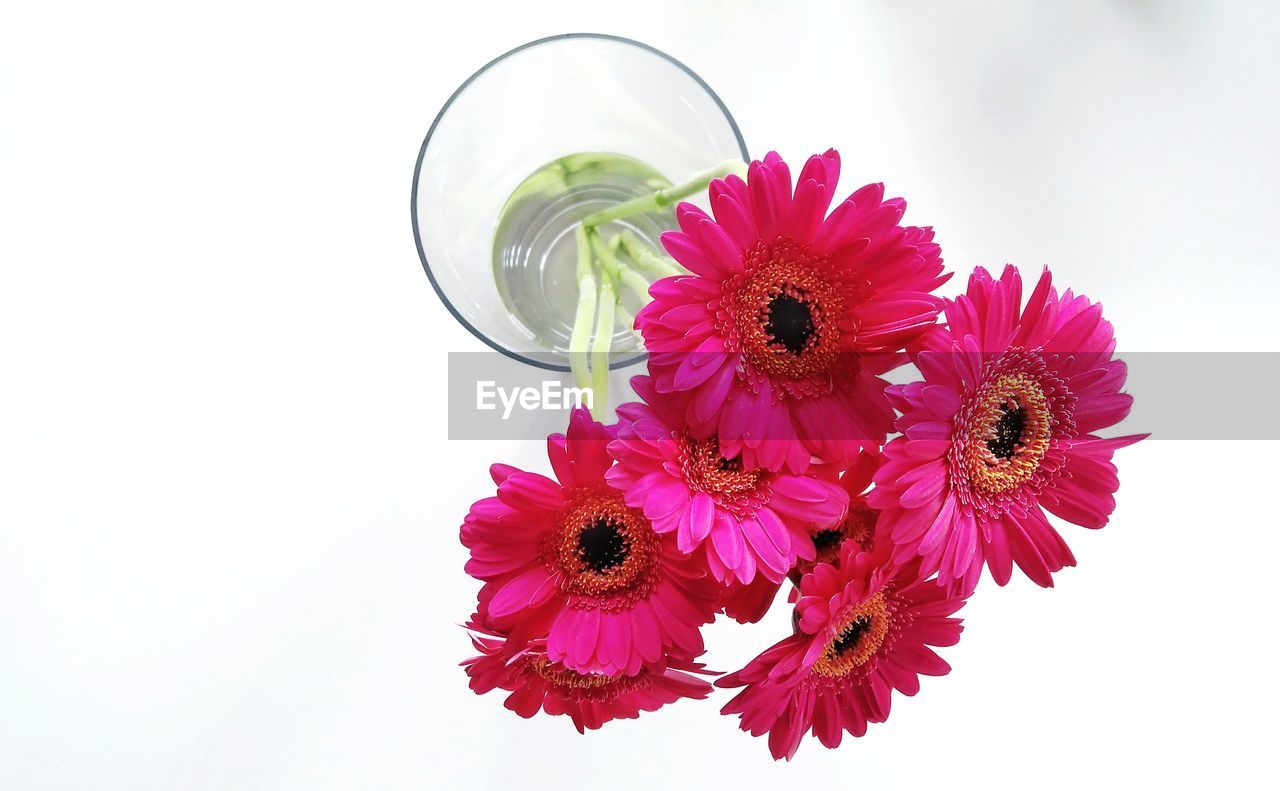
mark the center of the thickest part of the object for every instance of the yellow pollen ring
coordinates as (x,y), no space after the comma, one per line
(988,472)
(862,632)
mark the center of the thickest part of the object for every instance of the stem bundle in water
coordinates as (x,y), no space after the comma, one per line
(588,350)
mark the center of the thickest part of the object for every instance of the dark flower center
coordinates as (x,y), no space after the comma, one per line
(859,526)
(825,540)
(604,551)
(785,311)
(852,633)
(729,465)
(1008,431)
(602,546)
(1005,431)
(857,642)
(790,322)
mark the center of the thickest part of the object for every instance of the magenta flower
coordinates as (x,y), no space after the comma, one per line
(588,699)
(572,562)
(859,522)
(1000,430)
(863,630)
(746,521)
(780,334)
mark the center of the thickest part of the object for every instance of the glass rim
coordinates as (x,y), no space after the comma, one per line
(422,152)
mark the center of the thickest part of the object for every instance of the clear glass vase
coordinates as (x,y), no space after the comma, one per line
(530,144)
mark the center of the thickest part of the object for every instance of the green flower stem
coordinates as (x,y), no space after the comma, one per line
(610,263)
(615,245)
(600,345)
(664,198)
(648,260)
(626,320)
(581,334)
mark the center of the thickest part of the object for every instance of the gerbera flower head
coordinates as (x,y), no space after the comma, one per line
(863,629)
(790,314)
(588,699)
(1002,429)
(745,521)
(568,559)
(859,522)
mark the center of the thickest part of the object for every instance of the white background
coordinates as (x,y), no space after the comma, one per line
(228,508)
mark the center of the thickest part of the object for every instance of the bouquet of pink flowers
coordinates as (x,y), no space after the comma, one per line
(761,452)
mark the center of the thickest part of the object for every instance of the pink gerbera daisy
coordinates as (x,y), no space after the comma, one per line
(859,522)
(573,562)
(589,699)
(1002,428)
(745,520)
(863,630)
(790,315)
